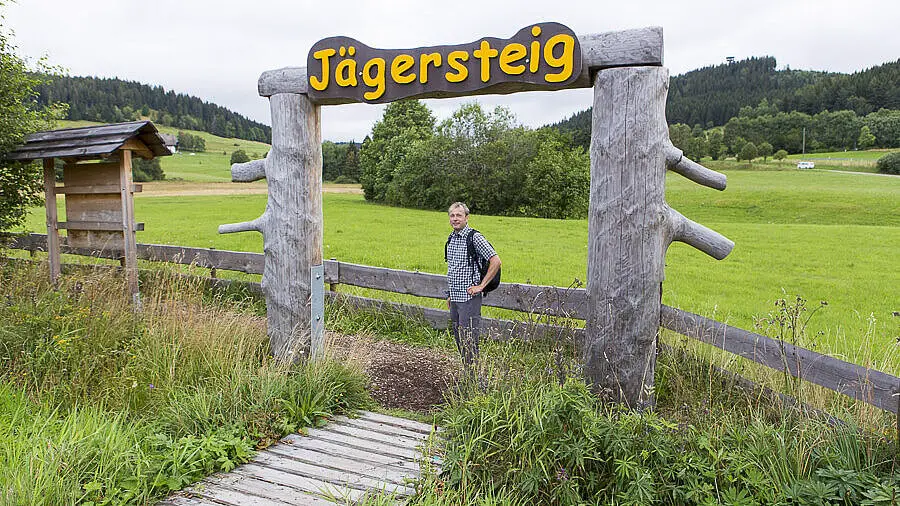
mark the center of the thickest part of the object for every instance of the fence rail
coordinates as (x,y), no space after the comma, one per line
(874,387)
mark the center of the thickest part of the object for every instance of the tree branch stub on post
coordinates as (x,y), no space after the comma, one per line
(248,172)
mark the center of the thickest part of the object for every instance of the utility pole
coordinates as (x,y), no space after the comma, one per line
(803,149)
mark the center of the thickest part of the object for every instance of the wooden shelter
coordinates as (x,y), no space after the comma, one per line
(97,185)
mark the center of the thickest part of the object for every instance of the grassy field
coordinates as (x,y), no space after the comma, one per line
(822,235)
(851,161)
(213,165)
(98,403)
(869,155)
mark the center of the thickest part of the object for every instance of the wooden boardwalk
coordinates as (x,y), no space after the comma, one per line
(342,463)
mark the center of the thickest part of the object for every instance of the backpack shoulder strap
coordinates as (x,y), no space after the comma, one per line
(475,259)
(470,244)
(447,246)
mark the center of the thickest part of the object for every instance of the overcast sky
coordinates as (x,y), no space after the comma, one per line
(217,49)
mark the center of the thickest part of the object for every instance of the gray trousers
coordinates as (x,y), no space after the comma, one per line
(466,318)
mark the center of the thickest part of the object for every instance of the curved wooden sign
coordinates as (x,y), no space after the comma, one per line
(540,56)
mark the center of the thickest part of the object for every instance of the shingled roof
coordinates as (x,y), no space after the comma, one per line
(90,142)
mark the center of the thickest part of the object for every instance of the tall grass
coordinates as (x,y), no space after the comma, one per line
(530,432)
(103,405)
(539,436)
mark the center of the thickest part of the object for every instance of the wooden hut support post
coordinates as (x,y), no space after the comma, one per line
(129,244)
(630,227)
(52,219)
(291,226)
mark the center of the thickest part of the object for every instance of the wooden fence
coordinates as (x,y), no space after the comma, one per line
(539,303)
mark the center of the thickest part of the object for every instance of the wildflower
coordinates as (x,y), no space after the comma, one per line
(151,386)
(134,384)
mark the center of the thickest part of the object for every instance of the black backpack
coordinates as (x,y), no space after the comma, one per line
(475,259)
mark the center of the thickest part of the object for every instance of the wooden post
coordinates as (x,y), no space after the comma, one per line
(291,224)
(129,243)
(52,219)
(626,235)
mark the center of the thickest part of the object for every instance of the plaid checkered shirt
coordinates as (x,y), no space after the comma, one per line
(460,273)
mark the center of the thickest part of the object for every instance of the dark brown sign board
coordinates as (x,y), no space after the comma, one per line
(540,56)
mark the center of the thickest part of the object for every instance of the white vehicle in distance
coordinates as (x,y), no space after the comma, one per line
(806,165)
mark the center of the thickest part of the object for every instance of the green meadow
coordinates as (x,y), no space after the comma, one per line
(824,236)
(869,155)
(851,161)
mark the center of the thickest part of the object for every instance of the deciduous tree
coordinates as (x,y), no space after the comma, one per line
(866,140)
(765,150)
(748,152)
(409,120)
(20,184)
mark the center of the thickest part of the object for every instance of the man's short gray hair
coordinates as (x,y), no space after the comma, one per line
(454,205)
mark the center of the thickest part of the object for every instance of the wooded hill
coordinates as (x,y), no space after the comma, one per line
(115,100)
(710,96)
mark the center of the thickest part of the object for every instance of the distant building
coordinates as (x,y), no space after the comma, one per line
(171,142)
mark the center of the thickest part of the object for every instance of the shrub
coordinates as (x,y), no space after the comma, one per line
(780,154)
(889,163)
(190,142)
(342,179)
(239,156)
(147,170)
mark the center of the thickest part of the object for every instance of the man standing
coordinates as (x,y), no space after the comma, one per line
(464,283)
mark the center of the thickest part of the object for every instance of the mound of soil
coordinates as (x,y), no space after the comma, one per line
(400,376)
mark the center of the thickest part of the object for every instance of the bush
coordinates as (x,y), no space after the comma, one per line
(20,115)
(780,154)
(342,179)
(147,170)
(889,163)
(191,142)
(239,156)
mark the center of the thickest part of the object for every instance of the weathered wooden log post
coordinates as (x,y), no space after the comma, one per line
(630,228)
(293,277)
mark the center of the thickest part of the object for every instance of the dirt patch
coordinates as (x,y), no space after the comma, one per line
(400,376)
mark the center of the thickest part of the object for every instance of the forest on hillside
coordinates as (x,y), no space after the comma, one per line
(712,96)
(115,100)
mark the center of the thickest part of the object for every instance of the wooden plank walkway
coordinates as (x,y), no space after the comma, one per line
(341,463)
